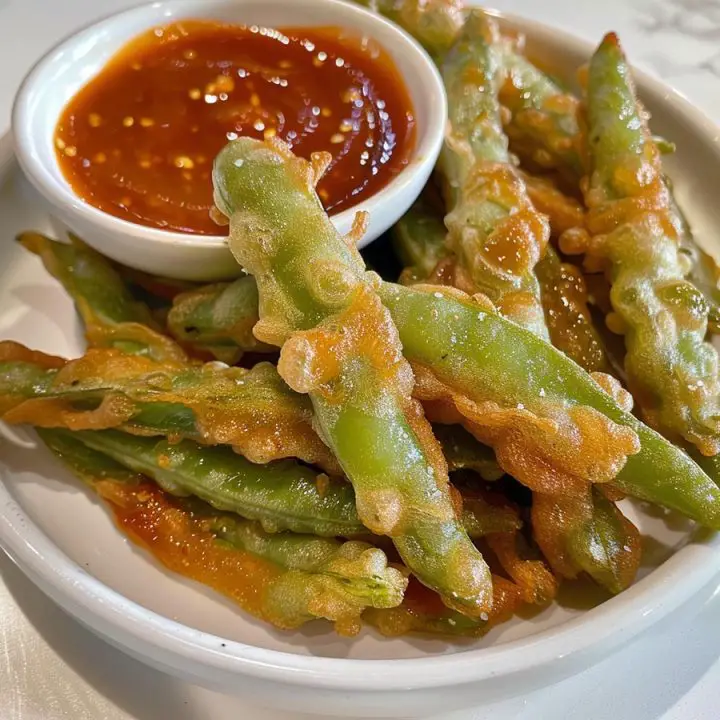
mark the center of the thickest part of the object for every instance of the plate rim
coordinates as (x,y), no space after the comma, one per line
(132,626)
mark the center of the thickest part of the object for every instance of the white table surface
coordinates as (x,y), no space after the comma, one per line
(53,669)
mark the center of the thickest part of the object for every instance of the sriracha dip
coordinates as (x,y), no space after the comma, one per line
(138,140)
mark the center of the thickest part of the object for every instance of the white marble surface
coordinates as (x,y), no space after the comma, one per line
(53,669)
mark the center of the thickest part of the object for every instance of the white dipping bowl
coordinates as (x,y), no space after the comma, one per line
(58,76)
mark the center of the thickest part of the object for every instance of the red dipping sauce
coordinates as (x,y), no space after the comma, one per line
(138,141)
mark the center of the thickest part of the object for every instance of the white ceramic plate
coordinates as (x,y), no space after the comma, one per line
(64,540)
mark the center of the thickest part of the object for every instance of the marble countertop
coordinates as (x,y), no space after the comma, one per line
(51,668)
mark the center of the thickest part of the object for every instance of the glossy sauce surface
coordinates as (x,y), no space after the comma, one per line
(138,141)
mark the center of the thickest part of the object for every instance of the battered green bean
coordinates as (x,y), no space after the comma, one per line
(433,23)
(543,125)
(282,495)
(463,452)
(207,318)
(704,272)
(568,318)
(671,369)
(322,577)
(340,346)
(495,232)
(291,578)
(111,316)
(587,534)
(419,242)
(252,410)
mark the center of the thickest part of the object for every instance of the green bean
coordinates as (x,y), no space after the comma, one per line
(252,410)
(463,452)
(339,346)
(495,232)
(419,242)
(704,272)
(322,577)
(24,374)
(587,534)
(111,316)
(282,578)
(568,318)
(421,613)
(672,371)
(482,518)
(433,23)
(87,464)
(206,318)
(543,126)
(282,495)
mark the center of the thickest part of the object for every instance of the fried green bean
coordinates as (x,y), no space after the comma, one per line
(322,577)
(564,299)
(463,452)
(672,371)
(112,317)
(703,272)
(339,345)
(252,410)
(433,23)
(588,534)
(543,126)
(493,228)
(283,578)
(542,123)
(419,242)
(282,495)
(423,613)
(207,319)
(499,373)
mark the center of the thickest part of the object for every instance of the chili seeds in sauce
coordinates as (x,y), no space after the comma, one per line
(138,141)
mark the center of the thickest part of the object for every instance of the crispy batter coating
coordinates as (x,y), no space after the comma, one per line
(537,584)
(283,596)
(562,211)
(542,123)
(339,344)
(550,448)
(433,23)
(112,317)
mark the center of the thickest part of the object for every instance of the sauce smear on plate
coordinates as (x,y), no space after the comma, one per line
(138,141)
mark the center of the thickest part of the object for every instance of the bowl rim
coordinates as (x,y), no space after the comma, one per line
(30,151)
(611,624)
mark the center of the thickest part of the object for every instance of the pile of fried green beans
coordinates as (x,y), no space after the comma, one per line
(423,453)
